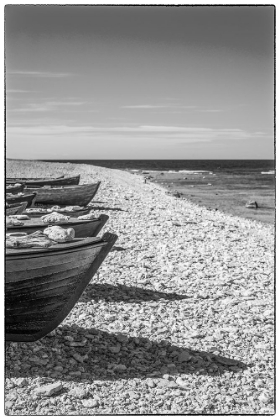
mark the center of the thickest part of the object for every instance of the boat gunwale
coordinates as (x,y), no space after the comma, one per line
(69,223)
(75,244)
(83,228)
(33,179)
(48,188)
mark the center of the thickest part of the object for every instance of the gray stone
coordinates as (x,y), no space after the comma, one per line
(78,392)
(20,382)
(12,396)
(162,383)
(115,349)
(182,383)
(132,395)
(151,383)
(90,403)
(79,358)
(9,404)
(122,338)
(49,390)
(77,344)
(119,367)
(184,357)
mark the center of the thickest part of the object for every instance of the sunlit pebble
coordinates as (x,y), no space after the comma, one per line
(264,398)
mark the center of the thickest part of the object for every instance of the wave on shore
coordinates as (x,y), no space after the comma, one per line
(196,172)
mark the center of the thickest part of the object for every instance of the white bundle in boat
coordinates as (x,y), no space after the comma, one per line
(10,221)
(72,208)
(20,217)
(54,217)
(13,186)
(58,234)
(67,208)
(34,240)
(35,210)
(89,216)
(54,208)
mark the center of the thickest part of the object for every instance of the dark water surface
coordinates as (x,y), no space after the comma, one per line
(224,185)
(241,166)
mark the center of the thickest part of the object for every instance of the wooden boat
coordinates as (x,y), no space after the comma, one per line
(16,208)
(83,228)
(39,182)
(28,197)
(42,211)
(42,285)
(14,189)
(71,195)
(27,178)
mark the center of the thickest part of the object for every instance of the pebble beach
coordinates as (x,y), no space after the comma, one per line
(179,319)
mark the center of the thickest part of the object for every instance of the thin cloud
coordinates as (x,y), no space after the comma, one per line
(144,106)
(18,91)
(47,106)
(157,133)
(173,107)
(150,106)
(210,110)
(40,74)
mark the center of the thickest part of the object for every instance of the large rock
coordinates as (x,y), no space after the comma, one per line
(252,205)
(176,194)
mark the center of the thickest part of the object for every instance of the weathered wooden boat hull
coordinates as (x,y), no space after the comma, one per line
(42,286)
(28,178)
(70,180)
(79,195)
(17,208)
(14,189)
(75,213)
(83,228)
(29,198)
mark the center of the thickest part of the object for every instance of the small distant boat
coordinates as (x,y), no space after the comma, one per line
(14,188)
(83,228)
(79,195)
(42,285)
(28,197)
(16,208)
(39,182)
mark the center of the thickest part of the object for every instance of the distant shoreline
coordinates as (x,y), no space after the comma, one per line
(231,202)
(199,189)
(214,191)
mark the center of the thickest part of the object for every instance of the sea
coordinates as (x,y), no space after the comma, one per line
(224,185)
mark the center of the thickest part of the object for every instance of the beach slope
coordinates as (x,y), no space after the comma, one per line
(178,321)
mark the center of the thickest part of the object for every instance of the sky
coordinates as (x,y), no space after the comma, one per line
(138,82)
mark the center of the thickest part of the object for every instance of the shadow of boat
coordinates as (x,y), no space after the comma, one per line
(135,357)
(122,293)
(106,208)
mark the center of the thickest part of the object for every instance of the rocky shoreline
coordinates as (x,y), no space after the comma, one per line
(180,319)
(219,191)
